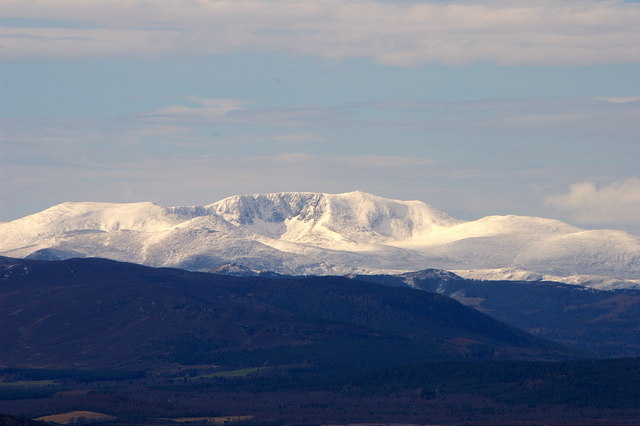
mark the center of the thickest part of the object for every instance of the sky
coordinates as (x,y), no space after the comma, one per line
(475,107)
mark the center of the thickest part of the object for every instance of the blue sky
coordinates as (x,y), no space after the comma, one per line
(475,107)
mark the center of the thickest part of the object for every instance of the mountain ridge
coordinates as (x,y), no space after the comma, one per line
(306,233)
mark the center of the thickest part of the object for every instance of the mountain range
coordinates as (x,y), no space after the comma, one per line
(300,233)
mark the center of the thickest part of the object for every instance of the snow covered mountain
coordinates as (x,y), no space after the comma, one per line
(317,233)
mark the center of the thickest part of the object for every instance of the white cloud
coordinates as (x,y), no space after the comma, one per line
(616,203)
(392,33)
(235,111)
(620,99)
(206,110)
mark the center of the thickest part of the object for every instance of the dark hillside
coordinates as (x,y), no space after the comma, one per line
(101,313)
(606,323)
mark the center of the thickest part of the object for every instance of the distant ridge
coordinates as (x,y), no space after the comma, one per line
(304,233)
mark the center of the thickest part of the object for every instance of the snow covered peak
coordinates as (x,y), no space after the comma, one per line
(272,208)
(356,216)
(99,216)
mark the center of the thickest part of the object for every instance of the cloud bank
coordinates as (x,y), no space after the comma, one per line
(616,203)
(546,32)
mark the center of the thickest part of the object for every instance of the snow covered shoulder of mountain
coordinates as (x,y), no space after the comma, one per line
(318,233)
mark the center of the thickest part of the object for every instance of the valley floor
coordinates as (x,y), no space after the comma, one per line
(469,393)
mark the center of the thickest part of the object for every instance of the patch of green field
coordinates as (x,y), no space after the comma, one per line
(242,372)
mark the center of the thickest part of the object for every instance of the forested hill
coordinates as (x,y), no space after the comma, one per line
(102,313)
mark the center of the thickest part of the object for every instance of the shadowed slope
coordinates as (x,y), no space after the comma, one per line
(95,312)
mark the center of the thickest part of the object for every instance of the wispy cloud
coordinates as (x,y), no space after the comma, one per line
(503,130)
(547,32)
(580,116)
(620,99)
(614,204)
(577,119)
(379,162)
(236,111)
(205,110)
